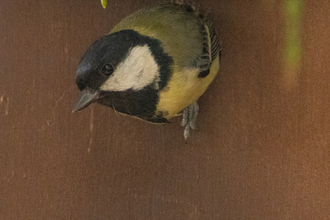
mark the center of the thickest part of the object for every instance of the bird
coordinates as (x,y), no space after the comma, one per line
(153,65)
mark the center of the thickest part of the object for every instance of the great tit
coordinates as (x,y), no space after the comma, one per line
(153,65)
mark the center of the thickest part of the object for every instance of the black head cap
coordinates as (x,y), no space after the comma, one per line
(99,62)
(102,57)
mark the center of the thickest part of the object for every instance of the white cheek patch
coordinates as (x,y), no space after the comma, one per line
(138,70)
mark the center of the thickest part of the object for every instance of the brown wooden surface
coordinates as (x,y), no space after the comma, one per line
(261,150)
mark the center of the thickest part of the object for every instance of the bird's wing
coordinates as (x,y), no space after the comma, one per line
(211,45)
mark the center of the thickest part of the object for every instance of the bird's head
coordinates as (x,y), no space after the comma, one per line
(118,62)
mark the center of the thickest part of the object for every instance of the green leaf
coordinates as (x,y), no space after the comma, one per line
(104,3)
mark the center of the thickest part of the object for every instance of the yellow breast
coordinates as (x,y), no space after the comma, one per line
(183,88)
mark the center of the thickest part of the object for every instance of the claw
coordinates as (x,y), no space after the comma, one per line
(189,117)
(185,117)
(186,132)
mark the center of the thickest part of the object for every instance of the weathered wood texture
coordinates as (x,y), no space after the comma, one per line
(261,150)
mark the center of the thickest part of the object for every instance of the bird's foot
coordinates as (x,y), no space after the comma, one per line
(189,117)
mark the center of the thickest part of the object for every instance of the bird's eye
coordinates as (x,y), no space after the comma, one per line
(107,69)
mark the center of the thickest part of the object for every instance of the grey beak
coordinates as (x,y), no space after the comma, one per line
(87,97)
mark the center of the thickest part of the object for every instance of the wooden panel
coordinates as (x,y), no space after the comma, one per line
(261,150)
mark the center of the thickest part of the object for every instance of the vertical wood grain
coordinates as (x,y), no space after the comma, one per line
(261,150)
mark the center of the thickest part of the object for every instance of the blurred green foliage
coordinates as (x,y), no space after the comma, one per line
(104,3)
(293,15)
